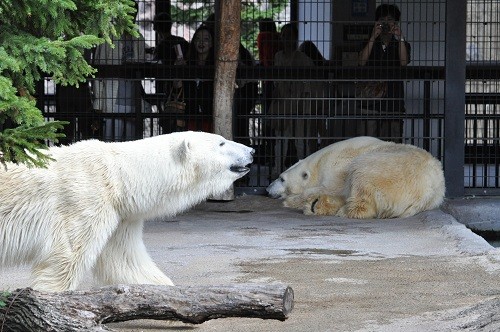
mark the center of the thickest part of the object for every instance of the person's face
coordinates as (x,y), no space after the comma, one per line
(203,41)
(388,23)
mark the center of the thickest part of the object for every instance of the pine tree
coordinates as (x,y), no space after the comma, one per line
(47,37)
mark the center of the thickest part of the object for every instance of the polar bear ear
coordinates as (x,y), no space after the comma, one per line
(182,152)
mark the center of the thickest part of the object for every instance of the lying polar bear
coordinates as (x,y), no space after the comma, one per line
(86,210)
(363,177)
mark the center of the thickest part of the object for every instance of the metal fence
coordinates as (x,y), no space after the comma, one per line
(291,107)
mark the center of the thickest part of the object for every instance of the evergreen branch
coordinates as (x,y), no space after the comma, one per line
(27,145)
(35,43)
(3,298)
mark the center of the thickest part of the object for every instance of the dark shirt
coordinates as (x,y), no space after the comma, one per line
(165,51)
(199,97)
(390,57)
(268,44)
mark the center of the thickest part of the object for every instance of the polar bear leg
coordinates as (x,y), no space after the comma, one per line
(308,200)
(125,259)
(299,201)
(73,254)
(60,271)
(324,205)
(360,205)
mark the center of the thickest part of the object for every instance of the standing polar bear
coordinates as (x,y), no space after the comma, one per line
(86,210)
(363,177)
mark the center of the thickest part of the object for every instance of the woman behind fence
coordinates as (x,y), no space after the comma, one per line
(291,104)
(385,47)
(199,93)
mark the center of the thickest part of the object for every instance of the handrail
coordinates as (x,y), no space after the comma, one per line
(331,73)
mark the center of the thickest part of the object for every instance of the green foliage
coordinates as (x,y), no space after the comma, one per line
(47,38)
(3,298)
(252,12)
(26,144)
(191,13)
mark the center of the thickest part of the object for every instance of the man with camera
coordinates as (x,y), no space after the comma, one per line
(386,47)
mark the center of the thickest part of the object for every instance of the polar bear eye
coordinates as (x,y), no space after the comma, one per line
(305,175)
(222,143)
(281,179)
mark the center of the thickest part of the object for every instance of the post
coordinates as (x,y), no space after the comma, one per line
(454,115)
(226,63)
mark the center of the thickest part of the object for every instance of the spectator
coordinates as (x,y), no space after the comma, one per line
(165,53)
(245,92)
(165,50)
(291,99)
(119,95)
(311,50)
(198,94)
(385,47)
(244,98)
(268,42)
(320,93)
(74,104)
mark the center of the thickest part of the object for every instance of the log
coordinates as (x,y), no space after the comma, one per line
(30,310)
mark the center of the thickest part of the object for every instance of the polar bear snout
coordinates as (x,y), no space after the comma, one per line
(241,166)
(277,188)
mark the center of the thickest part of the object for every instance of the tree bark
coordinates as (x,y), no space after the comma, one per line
(30,310)
(226,63)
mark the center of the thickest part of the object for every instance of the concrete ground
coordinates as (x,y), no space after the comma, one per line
(424,273)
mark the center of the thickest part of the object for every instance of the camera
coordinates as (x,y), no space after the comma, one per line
(386,28)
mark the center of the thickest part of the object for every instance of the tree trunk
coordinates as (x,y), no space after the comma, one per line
(226,63)
(30,310)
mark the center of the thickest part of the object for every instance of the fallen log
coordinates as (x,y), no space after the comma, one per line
(30,310)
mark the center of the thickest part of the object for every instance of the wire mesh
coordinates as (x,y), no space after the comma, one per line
(301,83)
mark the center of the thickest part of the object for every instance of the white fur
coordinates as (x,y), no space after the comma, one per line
(363,177)
(86,209)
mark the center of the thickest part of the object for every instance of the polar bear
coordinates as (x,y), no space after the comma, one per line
(85,211)
(363,177)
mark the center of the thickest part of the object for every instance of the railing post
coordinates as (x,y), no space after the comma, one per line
(454,115)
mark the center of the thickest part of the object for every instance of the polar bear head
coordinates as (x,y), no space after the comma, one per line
(209,159)
(212,155)
(294,180)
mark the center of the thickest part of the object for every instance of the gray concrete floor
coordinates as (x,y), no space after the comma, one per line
(424,273)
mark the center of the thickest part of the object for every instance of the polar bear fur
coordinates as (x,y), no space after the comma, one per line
(85,211)
(363,177)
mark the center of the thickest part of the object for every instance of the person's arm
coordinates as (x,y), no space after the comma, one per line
(364,55)
(179,62)
(404,58)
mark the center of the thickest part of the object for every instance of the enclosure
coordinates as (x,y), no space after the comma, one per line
(448,99)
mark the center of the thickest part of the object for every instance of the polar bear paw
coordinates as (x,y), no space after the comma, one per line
(294,201)
(323,205)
